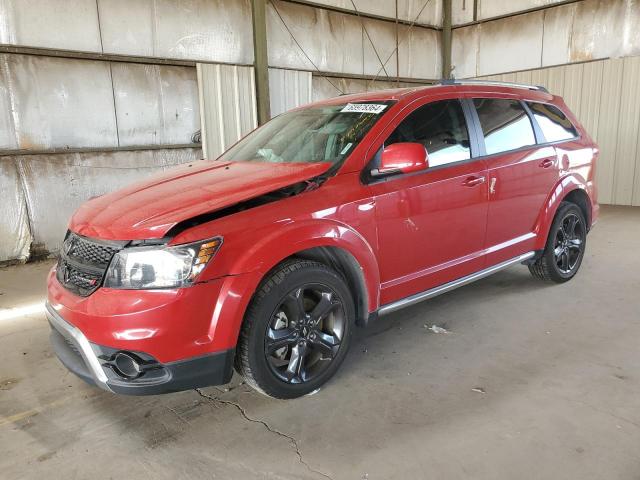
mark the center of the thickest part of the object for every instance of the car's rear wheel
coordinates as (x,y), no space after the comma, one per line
(565,246)
(297,330)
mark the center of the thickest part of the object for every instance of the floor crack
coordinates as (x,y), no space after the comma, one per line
(292,440)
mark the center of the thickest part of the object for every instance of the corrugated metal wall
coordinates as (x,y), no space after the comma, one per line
(289,89)
(605,96)
(228,105)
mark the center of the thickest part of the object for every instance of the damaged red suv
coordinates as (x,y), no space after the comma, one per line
(321,220)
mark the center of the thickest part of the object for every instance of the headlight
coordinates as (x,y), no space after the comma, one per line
(160,267)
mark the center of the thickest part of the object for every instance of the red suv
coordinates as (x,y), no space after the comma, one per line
(322,219)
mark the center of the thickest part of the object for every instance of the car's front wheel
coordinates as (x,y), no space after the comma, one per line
(565,246)
(297,330)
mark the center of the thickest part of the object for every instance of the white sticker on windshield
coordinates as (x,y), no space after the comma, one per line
(346,148)
(364,108)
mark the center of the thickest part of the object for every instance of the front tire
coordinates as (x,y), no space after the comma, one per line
(296,331)
(565,246)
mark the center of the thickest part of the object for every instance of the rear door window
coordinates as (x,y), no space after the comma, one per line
(440,127)
(505,124)
(554,124)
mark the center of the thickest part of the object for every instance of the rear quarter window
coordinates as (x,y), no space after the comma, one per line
(554,124)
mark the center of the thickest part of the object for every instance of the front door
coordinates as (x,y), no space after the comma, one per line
(431,224)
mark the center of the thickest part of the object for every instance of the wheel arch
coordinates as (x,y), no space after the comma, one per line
(343,262)
(579,197)
(331,243)
(568,189)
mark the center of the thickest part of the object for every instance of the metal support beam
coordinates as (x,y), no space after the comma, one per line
(260,62)
(446,39)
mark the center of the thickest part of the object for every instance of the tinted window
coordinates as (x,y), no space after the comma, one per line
(505,124)
(440,127)
(554,124)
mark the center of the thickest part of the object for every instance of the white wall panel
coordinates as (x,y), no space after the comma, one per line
(558,25)
(628,154)
(407,9)
(605,29)
(336,42)
(58,102)
(607,133)
(332,40)
(464,51)
(56,185)
(495,8)
(322,89)
(461,11)
(591,86)
(420,53)
(69,24)
(583,31)
(288,89)
(572,87)
(227,106)
(208,30)
(15,235)
(155,104)
(8,138)
(516,43)
(383,37)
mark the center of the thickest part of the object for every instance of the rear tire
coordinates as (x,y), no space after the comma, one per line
(296,331)
(565,246)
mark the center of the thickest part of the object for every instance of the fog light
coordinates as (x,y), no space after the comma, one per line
(127,365)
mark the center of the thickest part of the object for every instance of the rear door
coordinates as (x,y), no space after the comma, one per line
(431,224)
(521,174)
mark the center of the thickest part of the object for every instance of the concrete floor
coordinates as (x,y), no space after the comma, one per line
(534,381)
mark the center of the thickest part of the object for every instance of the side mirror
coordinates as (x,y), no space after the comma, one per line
(402,158)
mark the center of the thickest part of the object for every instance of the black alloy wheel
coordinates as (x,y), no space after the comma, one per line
(567,249)
(565,246)
(297,329)
(305,333)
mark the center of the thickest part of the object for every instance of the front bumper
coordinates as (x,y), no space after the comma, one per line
(93,363)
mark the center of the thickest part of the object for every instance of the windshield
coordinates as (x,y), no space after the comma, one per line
(315,134)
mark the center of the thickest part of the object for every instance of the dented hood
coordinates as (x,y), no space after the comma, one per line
(148,209)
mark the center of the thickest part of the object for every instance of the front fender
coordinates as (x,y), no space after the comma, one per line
(295,237)
(247,266)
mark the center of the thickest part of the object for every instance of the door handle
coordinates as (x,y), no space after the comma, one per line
(473,181)
(547,162)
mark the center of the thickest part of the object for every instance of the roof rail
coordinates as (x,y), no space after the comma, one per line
(452,81)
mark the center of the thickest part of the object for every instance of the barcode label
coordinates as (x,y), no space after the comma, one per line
(364,108)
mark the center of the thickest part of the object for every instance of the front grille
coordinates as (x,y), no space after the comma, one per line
(83,262)
(90,252)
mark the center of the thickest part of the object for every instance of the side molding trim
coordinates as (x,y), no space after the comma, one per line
(447,287)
